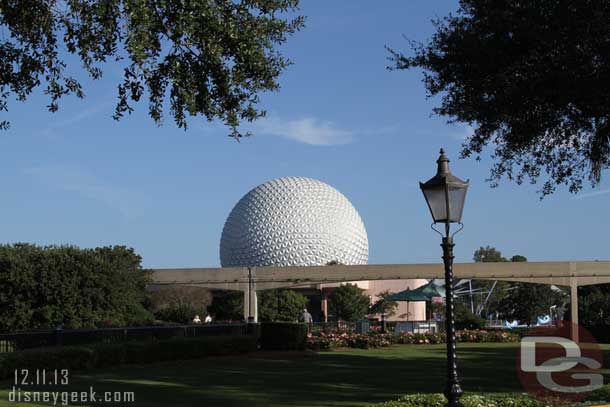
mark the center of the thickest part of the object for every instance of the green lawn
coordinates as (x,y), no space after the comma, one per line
(341,378)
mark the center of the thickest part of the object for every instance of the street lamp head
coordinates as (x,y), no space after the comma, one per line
(445,193)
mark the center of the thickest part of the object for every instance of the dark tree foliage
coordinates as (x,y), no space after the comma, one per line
(490,305)
(488,254)
(280,305)
(518,258)
(43,287)
(179,303)
(484,255)
(465,319)
(209,58)
(384,306)
(533,79)
(348,302)
(526,301)
(594,305)
(227,306)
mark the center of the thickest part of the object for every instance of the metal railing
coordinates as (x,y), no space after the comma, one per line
(494,323)
(390,326)
(19,340)
(329,327)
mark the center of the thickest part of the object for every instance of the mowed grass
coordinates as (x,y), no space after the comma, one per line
(339,378)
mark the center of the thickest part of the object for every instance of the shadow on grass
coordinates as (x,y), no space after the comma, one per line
(350,378)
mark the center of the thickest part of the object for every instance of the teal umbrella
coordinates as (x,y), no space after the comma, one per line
(424,293)
(408,295)
(432,290)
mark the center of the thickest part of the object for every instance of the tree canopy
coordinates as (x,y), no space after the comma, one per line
(384,306)
(227,306)
(348,302)
(594,305)
(488,254)
(178,303)
(281,305)
(490,292)
(532,78)
(44,287)
(209,58)
(526,301)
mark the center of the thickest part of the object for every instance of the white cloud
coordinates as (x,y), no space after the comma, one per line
(592,194)
(306,130)
(77,181)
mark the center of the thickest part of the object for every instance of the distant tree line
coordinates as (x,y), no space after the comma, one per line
(281,304)
(51,286)
(179,303)
(505,300)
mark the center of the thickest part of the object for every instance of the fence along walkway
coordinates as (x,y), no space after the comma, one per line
(13,341)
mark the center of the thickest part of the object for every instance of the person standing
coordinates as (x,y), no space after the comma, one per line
(307,318)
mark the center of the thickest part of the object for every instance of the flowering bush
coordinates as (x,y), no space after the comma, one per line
(481,335)
(411,338)
(325,341)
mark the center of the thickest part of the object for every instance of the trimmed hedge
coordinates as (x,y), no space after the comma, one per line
(283,336)
(113,354)
(439,400)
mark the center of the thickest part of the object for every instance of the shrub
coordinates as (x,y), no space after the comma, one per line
(348,302)
(601,394)
(283,336)
(109,354)
(138,352)
(113,354)
(227,306)
(281,305)
(68,357)
(470,322)
(438,400)
(182,313)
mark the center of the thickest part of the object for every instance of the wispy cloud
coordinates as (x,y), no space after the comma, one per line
(52,129)
(592,194)
(305,130)
(462,132)
(78,181)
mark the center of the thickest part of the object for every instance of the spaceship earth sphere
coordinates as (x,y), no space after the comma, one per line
(293,221)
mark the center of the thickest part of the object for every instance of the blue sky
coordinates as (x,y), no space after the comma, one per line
(78,177)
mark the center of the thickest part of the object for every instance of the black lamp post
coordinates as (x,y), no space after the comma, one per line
(445,195)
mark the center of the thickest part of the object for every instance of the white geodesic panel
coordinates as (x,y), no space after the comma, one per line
(293,221)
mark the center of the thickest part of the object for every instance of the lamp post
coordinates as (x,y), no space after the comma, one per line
(445,195)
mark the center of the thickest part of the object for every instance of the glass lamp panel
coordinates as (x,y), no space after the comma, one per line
(457,196)
(435,196)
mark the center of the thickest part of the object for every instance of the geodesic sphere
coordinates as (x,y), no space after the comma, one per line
(293,221)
